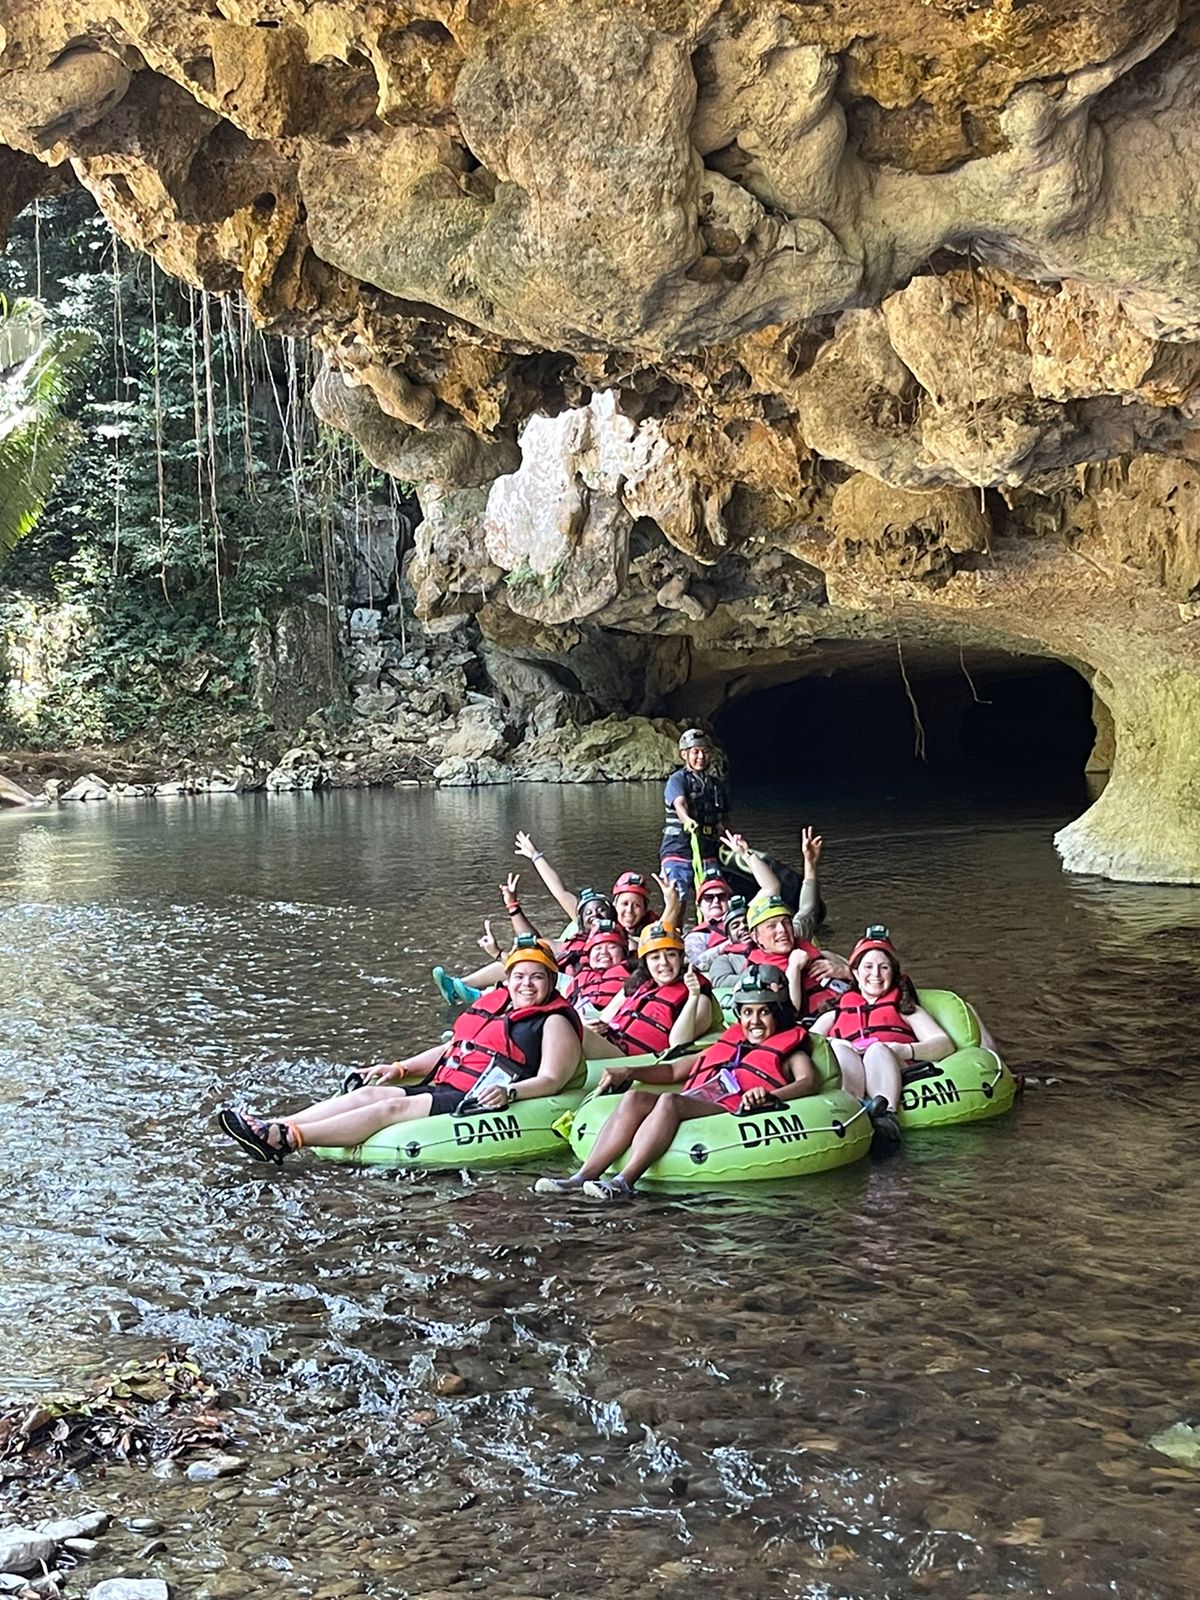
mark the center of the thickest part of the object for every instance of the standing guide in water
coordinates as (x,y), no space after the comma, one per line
(697,813)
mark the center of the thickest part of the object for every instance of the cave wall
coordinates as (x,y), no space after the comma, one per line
(712,329)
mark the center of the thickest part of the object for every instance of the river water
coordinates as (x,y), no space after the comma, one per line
(935,1374)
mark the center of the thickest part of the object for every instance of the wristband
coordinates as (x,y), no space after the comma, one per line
(513,909)
(510,1094)
(540,855)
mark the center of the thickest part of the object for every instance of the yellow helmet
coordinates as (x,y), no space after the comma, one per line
(658,936)
(530,948)
(765,908)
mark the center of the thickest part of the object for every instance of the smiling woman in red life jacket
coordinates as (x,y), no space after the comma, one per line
(523,1027)
(631,897)
(762,1059)
(660,1005)
(877,1027)
(812,974)
(605,968)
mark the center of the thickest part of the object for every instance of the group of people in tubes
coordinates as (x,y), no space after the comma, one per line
(626,980)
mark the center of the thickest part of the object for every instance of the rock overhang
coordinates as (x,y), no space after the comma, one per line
(883,315)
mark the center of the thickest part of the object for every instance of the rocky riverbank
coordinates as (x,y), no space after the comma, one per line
(474,750)
(390,703)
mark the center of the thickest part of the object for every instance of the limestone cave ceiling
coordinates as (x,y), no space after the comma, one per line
(701,317)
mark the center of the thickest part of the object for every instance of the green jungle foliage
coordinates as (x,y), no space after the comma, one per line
(36,370)
(200,497)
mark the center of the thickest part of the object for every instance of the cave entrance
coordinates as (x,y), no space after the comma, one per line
(992,721)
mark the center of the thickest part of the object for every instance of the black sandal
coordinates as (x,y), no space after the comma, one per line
(250,1134)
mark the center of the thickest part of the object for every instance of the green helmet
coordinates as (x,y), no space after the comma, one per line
(759,986)
(764,907)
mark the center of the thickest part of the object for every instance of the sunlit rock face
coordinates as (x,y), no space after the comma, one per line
(712,330)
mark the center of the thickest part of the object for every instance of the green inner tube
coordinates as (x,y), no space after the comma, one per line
(968,1086)
(529,1130)
(813,1134)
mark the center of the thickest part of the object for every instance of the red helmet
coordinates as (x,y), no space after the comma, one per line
(607,933)
(631,883)
(875,938)
(712,885)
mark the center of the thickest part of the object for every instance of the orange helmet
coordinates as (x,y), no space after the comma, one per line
(529,947)
(658,936)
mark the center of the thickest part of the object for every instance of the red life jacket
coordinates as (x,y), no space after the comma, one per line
(753,1066)
(597,985)
(881,1019)
(485,1033)
(570,952)
(815,997)
(741,947)
(642,1025)
(714,933)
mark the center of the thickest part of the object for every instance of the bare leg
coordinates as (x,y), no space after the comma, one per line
(617,1133)
(854,1079)
(659,1128)
(356,1123)
(883,1072)
(486,977)
(342,1102)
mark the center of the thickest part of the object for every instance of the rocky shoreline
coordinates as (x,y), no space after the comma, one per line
(404,706)
(473,754)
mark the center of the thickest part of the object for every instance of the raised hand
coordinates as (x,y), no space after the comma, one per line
(691,979)
(488,943)
(509,890)
(811,844)
(735,842)
(525,846)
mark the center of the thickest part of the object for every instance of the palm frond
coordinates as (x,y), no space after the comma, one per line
(37,370)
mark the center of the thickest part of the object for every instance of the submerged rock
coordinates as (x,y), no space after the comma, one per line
(1181,1442)
(213,1467)
(24,1549)
(130,1589)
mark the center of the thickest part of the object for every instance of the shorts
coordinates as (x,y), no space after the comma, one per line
(446,1100)
(675,853)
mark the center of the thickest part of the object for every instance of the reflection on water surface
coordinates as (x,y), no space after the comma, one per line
(931,1375)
